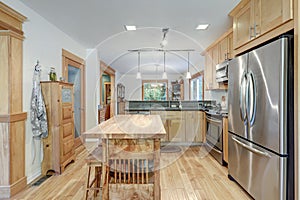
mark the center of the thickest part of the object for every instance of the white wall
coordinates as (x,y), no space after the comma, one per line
(133,86)
(92,88)
(43,42)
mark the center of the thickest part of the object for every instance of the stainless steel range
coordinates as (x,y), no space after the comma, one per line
(214,135)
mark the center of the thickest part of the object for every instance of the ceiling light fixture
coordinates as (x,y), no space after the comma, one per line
(188,74)
(202,26)
(139,75)
(130,28)
(164,76)
(164,41)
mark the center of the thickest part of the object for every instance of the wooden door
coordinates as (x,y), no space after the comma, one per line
(208,70)
(242,26)
(74,72)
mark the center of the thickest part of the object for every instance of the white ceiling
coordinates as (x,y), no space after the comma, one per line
(100,24)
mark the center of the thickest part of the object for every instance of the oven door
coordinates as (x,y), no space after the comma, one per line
(214,132)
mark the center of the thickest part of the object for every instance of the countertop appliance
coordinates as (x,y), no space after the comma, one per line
(260,115)
(222,71)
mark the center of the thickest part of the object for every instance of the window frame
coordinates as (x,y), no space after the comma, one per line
(155,81)
(194,76)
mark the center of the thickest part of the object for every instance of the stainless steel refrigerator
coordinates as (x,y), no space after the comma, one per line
(260,115)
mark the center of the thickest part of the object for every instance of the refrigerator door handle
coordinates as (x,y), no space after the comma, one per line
(242,98)
(252,149)
(251,98)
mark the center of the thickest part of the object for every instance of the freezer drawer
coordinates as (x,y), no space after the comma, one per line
(260,172)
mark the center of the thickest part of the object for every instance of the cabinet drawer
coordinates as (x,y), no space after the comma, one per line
(67,112)
(67,129)
(68,146)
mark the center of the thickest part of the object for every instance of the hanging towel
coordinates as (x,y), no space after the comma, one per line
(38,115)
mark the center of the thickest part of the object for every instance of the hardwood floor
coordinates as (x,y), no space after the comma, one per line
(190,175)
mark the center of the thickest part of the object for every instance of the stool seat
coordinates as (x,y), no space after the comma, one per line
(94,161)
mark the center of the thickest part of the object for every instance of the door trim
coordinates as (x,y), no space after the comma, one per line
(104,68)
(69,58)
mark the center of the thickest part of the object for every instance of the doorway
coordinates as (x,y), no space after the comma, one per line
(107,89)
(74,72)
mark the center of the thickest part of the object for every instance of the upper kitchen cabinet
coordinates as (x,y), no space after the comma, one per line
(260,20)
(225,48)
(216,53)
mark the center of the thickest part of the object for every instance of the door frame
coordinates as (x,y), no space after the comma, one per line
(69,58)
(104,68)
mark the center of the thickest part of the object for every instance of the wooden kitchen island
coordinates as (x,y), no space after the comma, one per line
(131,156)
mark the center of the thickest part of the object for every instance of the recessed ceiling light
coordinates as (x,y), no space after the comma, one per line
(202,26)
(130,28)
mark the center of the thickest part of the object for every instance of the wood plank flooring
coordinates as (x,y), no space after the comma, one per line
(189,175)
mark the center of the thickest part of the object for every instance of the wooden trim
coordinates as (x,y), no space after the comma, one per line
(107,69)
(5,26)
(13,117)
(201,73)
(153,81)
(217,41)
(72,57)
(69,58)
(237,8)
(265,37)
(104,68)
(11,33)
(18,16)
(18,186)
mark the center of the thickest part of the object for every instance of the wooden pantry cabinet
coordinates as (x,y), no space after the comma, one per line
(59,145)
(254,18)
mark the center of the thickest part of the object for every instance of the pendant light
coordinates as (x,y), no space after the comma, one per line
(139,75)
(164,76)
(188,74)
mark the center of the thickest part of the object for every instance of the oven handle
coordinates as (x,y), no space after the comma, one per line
(251,148)
(213,120)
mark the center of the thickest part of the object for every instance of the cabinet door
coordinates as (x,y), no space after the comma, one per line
(215,61)
(223,50)
(163,115)
(202,128)
(193,126)
(242,26)
(271,13)
(177,130)
(208,70)
(230,46)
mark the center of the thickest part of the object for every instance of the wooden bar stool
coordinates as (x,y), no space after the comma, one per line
(94,161)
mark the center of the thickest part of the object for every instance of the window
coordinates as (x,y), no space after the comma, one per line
(155,90)
(196,87)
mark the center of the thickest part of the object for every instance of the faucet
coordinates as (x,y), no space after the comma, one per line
(180,105)
(219,107)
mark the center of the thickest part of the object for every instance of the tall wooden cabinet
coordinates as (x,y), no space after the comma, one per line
(59,145)
(12,117)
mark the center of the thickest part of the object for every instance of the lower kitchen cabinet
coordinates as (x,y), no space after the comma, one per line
(183,126)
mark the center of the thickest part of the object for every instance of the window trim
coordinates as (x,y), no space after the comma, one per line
(194,76)
(155,81)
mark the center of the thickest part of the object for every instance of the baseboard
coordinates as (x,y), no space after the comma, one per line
(34,176)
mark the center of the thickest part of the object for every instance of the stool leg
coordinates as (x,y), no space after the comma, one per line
(87,183)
